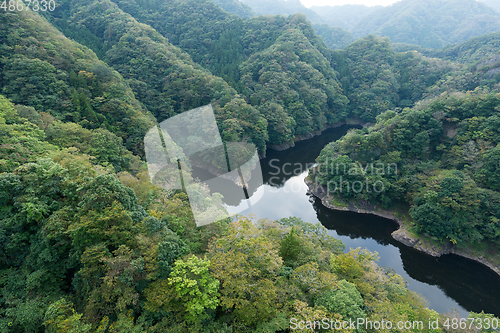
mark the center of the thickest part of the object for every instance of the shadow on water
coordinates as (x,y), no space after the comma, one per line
(446,282)
(279,166)
(470,284)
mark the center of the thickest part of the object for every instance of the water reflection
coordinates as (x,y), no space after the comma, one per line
(447,283)
(469,286)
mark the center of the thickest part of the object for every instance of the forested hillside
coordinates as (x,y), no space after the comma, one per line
(427,23)
(235,7)
(479,59)
(277,63)
(333,36)
(445,167)
(279,7)
(89,244)
(474,50)
(430,23)
(163,78)
(86,249)
(43,69)
(309,97)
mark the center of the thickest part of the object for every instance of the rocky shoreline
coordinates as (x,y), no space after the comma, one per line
(401,234)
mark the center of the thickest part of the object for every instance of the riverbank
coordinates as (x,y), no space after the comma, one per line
(402,234)
(349,121)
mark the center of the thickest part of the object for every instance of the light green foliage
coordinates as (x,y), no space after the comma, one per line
(83,249)
(22,141)
(62,318)
(195,288)
(315,233)
(312,280)
(246,263)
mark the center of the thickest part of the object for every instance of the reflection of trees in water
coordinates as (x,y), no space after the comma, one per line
(355,225)
(230,191)
(470,284)
(278,180)
(279,166)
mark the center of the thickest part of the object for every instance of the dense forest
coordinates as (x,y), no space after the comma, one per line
(274,63)
(89,244)
(427,23)
(444,150)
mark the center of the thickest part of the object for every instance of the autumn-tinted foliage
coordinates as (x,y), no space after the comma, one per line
(89,244)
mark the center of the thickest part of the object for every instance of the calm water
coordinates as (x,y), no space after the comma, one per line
(449,282)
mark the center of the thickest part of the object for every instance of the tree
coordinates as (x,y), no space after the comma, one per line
(346,301)
(194,287)
(246,263)
(61,317)
(296,250)
(489,174)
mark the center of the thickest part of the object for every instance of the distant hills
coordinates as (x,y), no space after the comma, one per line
(346,16)
(495,4)
(334,35)
(277,7)
(235,7)
(428,23)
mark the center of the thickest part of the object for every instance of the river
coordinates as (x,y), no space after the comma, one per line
(447,283)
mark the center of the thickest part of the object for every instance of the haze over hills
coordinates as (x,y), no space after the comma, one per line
(495,4)
(277,7)
(345,16)
(89,244)
(333,36)
(235,7)
(428,23)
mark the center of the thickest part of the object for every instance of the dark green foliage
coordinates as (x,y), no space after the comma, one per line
(441,160)
(375,78)
(308,91)
(291,248)
(45,70)
(162,77)
(334,37)
(84,249)
(471,51)
(170,89)
(489,173)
